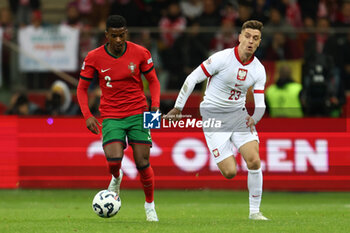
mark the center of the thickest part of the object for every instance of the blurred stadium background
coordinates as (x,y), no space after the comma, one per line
(304,135)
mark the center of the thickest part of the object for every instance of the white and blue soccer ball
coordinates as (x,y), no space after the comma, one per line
(106,204)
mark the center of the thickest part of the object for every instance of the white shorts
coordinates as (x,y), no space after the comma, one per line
(233,133)
(221,145)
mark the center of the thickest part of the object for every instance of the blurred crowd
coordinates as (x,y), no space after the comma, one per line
(181,34)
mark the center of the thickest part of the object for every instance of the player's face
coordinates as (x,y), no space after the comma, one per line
(249,40)
(116,38)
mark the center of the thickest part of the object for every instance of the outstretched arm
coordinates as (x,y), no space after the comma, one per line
(197,76)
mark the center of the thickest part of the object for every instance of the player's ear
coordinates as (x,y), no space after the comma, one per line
(127,34)
(259,40)
(106,33)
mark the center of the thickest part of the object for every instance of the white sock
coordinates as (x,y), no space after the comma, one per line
(149,205)
(255,182)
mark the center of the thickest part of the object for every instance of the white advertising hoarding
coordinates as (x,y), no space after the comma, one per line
(44,48)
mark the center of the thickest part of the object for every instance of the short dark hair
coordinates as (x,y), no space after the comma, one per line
(253,24)
(115,21)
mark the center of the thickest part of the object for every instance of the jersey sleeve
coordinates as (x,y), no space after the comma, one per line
(88,68)
(82,95)
(211,66)
(146,65)
(195,77)
(154,87)
(259,88)
(259,85)
(86,75)
(260,107)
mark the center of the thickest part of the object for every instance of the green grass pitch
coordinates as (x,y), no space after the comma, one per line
(178,211)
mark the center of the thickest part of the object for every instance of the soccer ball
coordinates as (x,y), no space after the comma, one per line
(106,204)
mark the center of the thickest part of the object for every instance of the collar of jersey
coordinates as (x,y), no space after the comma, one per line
(239,59)
(126,45)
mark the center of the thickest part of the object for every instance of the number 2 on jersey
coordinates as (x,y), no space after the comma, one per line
(234,94)
(108,81)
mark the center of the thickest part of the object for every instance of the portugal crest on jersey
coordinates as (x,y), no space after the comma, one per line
(242,74)
(132,67)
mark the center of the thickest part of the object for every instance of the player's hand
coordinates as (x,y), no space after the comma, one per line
(174,115)
(93,125)
(250,123)
(154,109)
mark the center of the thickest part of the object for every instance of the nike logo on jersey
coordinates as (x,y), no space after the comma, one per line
(238,85)
(102,70)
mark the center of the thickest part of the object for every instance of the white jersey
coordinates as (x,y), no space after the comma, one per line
(228,82)
(229,79)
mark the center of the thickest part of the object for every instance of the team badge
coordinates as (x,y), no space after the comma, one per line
(242,74)
(216,153)
(132,67)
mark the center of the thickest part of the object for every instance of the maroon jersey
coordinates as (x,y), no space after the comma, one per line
(119,78)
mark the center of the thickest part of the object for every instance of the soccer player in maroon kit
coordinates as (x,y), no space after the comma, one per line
(119,65)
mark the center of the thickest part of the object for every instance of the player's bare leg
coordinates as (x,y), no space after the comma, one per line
(228,167)
(114,155)
(141,157)
(250,153)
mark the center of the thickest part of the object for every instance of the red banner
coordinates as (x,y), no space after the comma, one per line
(62,153)
(8,156)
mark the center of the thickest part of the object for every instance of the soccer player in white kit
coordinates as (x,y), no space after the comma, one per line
(230,73)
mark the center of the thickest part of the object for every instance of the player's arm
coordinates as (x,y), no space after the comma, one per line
(197,76)
(259,99)
(259,110)
(147,69)
(260,107)
(154,88)
(87,70)
(82,93)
